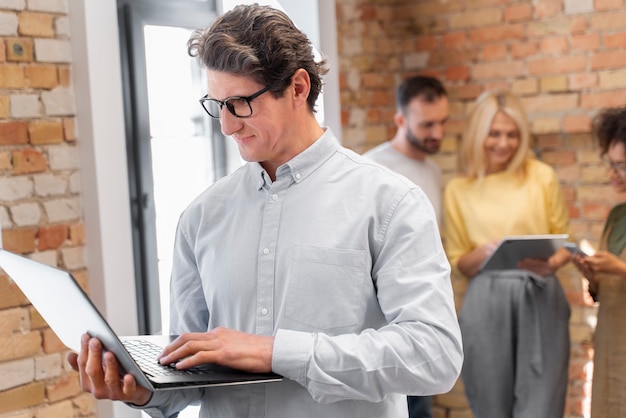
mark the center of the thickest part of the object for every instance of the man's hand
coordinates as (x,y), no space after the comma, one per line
(227,347)
(103,380)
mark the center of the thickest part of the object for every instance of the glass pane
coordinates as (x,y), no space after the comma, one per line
(182,160)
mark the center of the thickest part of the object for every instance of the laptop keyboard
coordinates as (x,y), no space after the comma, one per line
(146,354)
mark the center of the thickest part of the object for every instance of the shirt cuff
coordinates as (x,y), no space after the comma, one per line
(152,407)
(291,355)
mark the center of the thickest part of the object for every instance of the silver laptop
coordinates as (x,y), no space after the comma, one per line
(70,313)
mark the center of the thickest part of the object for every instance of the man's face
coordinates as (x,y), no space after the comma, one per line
(263,136)
(423,123)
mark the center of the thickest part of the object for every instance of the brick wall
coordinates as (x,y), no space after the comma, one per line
(565,59)
(40,202)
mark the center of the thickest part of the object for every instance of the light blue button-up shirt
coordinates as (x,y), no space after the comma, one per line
(341,260)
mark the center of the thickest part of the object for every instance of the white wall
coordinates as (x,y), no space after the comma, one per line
(104,181)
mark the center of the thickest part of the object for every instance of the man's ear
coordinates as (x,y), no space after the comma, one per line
(301,83)
(398,118)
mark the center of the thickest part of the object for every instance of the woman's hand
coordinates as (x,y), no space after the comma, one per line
(548,266)
(605,262)
(469,264)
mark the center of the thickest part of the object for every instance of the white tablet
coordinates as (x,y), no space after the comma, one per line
(512,249)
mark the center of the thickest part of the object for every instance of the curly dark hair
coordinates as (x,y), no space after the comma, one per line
(260,42)
(609,126)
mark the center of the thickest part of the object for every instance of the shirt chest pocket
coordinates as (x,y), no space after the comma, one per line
(326,287)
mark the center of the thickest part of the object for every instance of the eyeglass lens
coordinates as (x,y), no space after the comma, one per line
(619,168)
(238,106)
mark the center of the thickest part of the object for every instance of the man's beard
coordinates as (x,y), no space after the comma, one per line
(422,144)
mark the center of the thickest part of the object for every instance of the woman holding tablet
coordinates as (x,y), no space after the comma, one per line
(606,272)
(514,322)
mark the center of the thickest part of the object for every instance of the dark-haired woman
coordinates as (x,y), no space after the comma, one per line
(606,272)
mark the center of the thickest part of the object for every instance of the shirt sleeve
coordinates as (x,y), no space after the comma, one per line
(418,351)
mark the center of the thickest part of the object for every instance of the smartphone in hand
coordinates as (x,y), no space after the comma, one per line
(585,249)
(574,249)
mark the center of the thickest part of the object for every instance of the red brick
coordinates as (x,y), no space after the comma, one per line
(559,157)
(454,39)
(52,237)
(556,26)
(10,294)
(494,52)
(69,130)
(20,345)
(576,123)
(445,58)
(614,40)
(560,65)
(28,160)
(611,59)
(494,70)
(13,133)
(77,233)
(427,43)
(607,21)
(64,75)
(432,8)
(498,33)
(4,107)
(464,92)
(523,49)
(11,76)
(36,24)
(45,132)
(614,98)
(550,103)
(553,45)
(547,8)
(518,12)
(457,73)
(43,76)
(65,387)
(585,42)
(22,397)
(21,241)
(19,50)
(52,343)
(582,81)
(601,5)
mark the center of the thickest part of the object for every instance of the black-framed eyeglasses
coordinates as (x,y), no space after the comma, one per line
(619,168)
(239,106)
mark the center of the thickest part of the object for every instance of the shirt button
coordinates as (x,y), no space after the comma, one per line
(266,251)
(274,197)
(264,311)
(298,176)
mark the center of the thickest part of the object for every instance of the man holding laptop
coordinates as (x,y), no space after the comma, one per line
(309,261)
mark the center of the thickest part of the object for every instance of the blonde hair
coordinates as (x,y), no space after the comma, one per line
(487,105)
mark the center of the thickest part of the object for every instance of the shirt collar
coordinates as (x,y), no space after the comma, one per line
(303,164)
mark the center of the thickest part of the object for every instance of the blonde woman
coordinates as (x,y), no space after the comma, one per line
(514,323)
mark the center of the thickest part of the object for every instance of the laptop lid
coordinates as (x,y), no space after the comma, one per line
(69,312)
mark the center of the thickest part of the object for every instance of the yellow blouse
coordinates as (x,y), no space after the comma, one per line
(479,211)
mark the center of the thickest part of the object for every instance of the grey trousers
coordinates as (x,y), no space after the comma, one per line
(515,328)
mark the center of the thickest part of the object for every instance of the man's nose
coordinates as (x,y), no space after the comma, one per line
(229,122)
